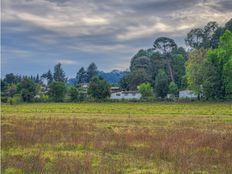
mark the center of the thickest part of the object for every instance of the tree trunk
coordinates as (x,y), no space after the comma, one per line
(170,71)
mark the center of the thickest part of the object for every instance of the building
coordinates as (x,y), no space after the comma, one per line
(128,95)
(84,88)
(114,89)
(187,94)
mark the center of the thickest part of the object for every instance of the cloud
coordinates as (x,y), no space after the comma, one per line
(106,32)
(66,62)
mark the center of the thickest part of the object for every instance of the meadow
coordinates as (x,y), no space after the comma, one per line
(116,138)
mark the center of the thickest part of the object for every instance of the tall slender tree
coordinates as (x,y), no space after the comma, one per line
(82,76)
(59,74)
(91,71)
(166,46)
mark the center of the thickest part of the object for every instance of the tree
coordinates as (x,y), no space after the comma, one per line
(228,25)
(11,78)
(76,94)
(166,46)
(173,88)
(82,76)
(178,64)
(209,31)
(48,76)
(57,91)
(59,74)
(219,79)
(195,38)
(228,78)
(125,82)
(142,62)
(161,84)
(11,90)
(195,69)
(211,82)
(91,71)
(146,90)
(28,90)
(98,88)
(202,37)
(137,77)
(37,79)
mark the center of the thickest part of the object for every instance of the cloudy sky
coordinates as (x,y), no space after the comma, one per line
(37,34)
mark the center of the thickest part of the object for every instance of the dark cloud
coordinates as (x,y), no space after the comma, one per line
(108,32)
(223,6)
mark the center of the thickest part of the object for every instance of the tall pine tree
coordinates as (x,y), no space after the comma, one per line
(59,74)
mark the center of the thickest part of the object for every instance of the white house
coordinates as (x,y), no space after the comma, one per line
(128,95)
(114,89)
(187,94)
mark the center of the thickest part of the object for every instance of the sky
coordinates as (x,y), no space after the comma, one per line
(37,34)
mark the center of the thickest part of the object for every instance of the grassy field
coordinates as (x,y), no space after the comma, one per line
(114,138)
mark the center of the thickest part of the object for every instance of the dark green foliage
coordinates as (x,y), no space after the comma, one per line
(77,94)
(98,88)
(161,84)
(125,82)
(202,37)
(195,38)
(207,37)
(11,90)
(59,74)
(28,90)
(48,76)
(178,64)
(173,88)
(57,91)
(211,84)
(82,76)
(3,86)
(218,81)
(228,25)
(166,46)
(137,77)
(91,71)
(11,78)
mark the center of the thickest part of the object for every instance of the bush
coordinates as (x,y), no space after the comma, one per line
(57,91)
(14,100)
(42,99)
(4,99)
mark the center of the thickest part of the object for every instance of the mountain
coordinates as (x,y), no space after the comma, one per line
(112,77)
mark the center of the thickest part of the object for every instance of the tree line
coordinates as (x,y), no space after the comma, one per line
(53,87)
(166,68)
(205,68)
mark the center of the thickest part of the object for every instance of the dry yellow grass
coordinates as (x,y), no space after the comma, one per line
(117,138)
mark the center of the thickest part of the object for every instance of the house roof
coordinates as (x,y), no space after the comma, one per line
(128,92)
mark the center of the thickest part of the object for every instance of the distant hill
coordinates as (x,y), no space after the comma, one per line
(112,77)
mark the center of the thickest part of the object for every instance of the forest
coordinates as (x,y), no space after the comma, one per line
(203,66)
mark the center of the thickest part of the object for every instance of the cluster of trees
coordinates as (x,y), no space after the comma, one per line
(166,68)
(161,66)
(53,87)
(205,68)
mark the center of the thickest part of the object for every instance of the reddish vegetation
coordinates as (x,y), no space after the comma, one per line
(176,148)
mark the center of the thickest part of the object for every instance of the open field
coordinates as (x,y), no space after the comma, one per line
(114,138)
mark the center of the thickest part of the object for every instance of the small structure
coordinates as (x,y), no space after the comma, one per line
(187,94)
(128,95)
(84,87)
(114,89)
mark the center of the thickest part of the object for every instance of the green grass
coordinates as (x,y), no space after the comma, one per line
(117,138)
